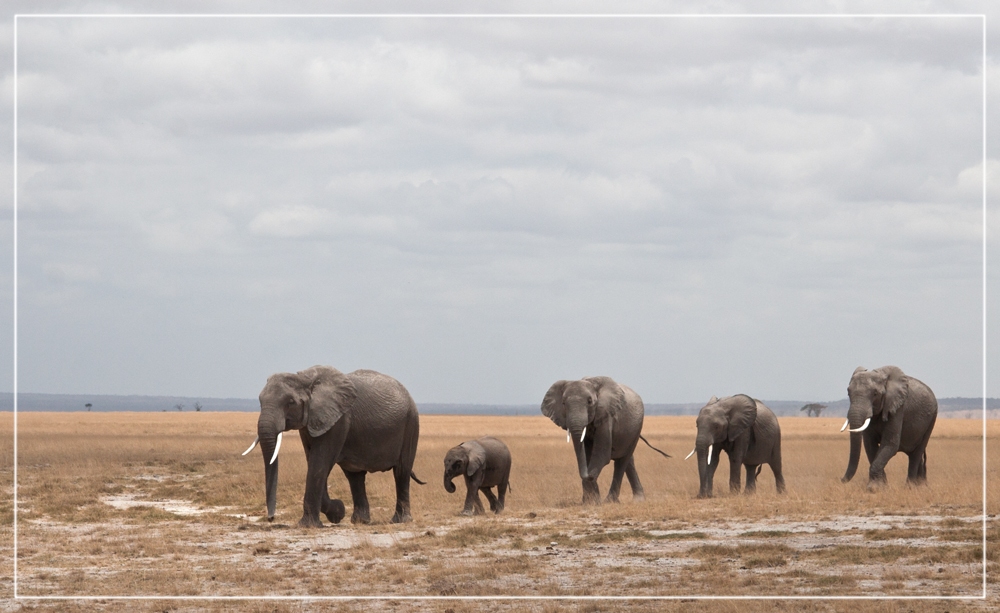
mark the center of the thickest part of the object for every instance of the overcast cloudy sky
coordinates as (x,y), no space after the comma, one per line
(481,206)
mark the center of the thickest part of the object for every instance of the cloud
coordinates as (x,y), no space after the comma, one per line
(401,193)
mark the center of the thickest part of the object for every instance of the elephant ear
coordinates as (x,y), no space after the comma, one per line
(897,386)
(610,398)
(712,400)
(742,414)
(477,457)
(332,397)
(553,406)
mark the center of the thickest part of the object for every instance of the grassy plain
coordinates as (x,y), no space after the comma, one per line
(162,504)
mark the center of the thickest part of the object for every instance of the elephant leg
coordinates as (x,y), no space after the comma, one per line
(917,474)
(779,477)
(871,447)
(591,491)
(473,505)
(490,497)
(359,496)
(876,472)
(752,471)
(735,473)
(333,509)
(616,480)
(913,467)
(316,476)
(501,494)
(709,480)
(402,478)
(633,480)
(320,454)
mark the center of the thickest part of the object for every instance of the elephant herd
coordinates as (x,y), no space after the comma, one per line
(365,421)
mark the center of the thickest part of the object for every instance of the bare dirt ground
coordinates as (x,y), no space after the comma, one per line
(163,505)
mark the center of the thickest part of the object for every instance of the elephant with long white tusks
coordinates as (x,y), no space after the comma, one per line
(889,412)
(364,421)
(603,421)
(749,434)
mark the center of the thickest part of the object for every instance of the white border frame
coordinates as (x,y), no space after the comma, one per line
(981,16)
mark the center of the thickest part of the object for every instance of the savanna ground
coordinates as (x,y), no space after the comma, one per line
(162,504)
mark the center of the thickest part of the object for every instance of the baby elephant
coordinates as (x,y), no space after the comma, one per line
(485,462)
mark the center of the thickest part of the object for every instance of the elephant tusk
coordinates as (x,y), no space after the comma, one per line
(251,447)
(583,434)
(863,426)
(847,422)
(691,454)
(710,454)
(277,446)
(568,439)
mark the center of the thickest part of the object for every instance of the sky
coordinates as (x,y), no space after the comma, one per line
(479,207)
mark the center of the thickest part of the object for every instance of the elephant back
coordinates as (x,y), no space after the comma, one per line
(495,448)
(383,421)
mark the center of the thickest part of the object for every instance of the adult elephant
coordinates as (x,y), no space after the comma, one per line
(749,434)
(603,419)
(364,421)
(889,412)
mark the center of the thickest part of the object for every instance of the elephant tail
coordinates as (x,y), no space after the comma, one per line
(666,455)
(414,477)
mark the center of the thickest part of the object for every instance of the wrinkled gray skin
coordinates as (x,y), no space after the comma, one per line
(485,463)
(749,434)
(612,415)
(902,411)
(364,421)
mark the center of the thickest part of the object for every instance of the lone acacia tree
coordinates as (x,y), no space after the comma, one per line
(814,408)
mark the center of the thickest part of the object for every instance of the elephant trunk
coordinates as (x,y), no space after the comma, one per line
(267,446)
(268,431)
(703,446)
(852,462)
(448,485)
(581,456)
(857,416)
(576,425)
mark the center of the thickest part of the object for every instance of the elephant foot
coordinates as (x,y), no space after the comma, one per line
(335,511)
(360,518)
(704,495)
(401,519)
(466,512)
(876,485)
(310,522)
(612,499)
(638,496)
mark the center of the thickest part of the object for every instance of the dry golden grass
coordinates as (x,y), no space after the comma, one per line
(822,538)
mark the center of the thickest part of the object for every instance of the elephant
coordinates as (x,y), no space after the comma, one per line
(813,409)
(603,419)
(908,410)
(748,432)
(364,421)
(485,462)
